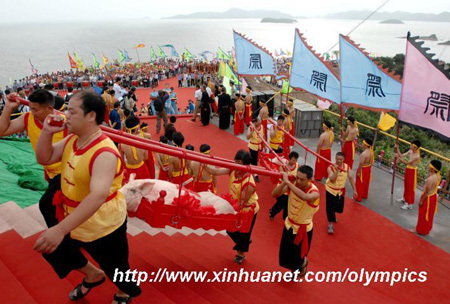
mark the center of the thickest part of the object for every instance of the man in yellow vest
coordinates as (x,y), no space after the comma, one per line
(92,213)
(277,135)
(254,135)
(243,189)
(41,105)
(303,203)
(291,167)
(335,187)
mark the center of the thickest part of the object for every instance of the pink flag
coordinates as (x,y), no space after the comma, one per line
(425,98)
(323,104)
(244,85)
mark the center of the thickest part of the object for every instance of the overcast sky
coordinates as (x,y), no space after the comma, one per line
(49,10)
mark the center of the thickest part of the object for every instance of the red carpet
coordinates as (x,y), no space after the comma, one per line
(143,94)
(363,239)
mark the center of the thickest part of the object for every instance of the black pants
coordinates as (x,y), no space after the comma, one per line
(254,154)
(110,252)
(242,240)
(335,204)
(280,204)
(279,150)
(290,254)
(46,207)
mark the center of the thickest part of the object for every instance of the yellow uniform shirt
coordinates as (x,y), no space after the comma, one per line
(277,140)
(300,211)
(34,128)
(255,140)
(75,186)
(238,185)
(338,187)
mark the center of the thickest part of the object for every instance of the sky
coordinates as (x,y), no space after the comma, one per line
(56,10)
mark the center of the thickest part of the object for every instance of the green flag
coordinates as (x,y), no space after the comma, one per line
(286,88)
(96,63)
(152,54)
(121,56)
(221,55)
(161,52)
(80,64)
(231,75)
(188,55)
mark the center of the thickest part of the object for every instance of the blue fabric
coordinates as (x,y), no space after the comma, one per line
(252,60)
(311,74)
(115,117)
(363,83)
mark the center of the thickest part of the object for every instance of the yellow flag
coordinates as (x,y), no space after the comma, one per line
(386,121)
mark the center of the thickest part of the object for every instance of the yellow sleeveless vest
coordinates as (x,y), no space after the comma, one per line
(300,211)
(255,142)
(75,186)
(236,185)
(337,188)
(34,128)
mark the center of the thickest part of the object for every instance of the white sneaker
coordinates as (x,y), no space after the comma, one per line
(401,200)
(406,206)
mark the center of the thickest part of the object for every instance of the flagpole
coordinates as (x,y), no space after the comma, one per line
(340,95)
(395,158)
(137,53)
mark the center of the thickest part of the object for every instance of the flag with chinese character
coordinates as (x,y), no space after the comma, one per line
(364,84)
(386,121)
(310,73)
(73,63)
(161,52)
(252,59)
(426,90)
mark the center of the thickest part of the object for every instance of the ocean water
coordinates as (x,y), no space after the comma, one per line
(47,44)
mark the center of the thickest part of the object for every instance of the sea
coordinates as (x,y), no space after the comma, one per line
(47,44)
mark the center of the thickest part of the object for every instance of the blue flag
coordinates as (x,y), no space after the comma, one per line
(252,59)
(311,74)
(364,84)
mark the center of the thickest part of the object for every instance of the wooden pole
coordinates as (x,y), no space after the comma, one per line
(395,158)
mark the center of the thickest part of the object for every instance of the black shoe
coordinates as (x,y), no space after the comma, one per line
(239,258)
(257,179)
(271,217)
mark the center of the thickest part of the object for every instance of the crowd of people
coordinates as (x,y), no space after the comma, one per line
(83,208)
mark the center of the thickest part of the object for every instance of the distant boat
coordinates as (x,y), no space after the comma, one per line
(278,20)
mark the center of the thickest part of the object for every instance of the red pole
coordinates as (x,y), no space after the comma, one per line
(395,158)
(305,147)
(138,142)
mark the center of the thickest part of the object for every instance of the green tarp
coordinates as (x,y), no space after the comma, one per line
(21,178)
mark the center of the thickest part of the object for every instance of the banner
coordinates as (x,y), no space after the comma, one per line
(188,55)
(311,74)
(80,64)
(386,121)
(126,57)
(139,46)
(286,88)
(34,71)
(173,52)
(152,54)
(121,56)
(73,63)
(252,59)
(161,52)
(364,84)
(105,59)
(426,90)
(96,63)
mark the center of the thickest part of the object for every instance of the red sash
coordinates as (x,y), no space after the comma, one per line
(302,236)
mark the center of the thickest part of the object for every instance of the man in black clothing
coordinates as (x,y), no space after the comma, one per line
(224,109)
(205,108)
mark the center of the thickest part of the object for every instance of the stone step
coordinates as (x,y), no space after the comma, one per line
(19,220)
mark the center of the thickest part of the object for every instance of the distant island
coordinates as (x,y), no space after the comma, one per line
(278,20)
(399,15)
(392,21)
(444,43)
(234,13)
